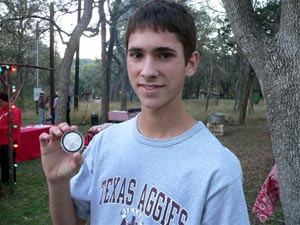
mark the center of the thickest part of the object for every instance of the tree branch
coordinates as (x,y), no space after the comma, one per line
(60,31)
(66,64)
(249,34)
(213,9)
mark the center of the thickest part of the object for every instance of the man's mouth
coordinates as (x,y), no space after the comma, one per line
(149,87)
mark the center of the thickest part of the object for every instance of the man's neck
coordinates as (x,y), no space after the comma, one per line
(162,125)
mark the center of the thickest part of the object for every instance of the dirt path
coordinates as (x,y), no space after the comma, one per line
(252,145)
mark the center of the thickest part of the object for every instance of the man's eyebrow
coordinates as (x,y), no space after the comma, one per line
(158,49)
(162,49)
(134,49)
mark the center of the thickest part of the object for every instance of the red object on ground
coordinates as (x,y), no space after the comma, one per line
(93,131)
(29,146)
(115,116)
(265,203)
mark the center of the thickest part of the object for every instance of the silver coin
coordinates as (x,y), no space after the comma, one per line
(72,141)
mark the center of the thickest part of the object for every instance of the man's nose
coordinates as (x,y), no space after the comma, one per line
(149,68)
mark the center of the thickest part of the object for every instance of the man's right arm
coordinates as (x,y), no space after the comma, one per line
(61,205)
(59,168)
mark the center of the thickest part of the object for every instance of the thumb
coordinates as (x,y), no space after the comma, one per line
(76,162)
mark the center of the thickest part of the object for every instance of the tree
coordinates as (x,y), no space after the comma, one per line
(105,75)
(89,76)
(210,50)
(276,62)
(19,30)
(108,54)
(66,64)
(24,25)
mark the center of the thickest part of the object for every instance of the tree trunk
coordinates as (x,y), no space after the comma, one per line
(52,64)
(124,84)
(105,79)
(276,62)
(246,97)
(77,65)
(123,76)
(117,91)
(209,86)
(65,67)
(243,67)
(108,56)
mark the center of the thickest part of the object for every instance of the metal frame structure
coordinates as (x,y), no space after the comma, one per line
(10,121)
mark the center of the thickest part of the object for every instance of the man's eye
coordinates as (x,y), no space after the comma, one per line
(165,55)
(135,55)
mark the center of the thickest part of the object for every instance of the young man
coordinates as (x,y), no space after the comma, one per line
(161,167)
(4,135)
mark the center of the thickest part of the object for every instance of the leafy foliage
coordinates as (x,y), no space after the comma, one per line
(269,15)
(90,74)
(215,44)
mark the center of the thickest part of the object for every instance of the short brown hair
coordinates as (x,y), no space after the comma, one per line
(162,15)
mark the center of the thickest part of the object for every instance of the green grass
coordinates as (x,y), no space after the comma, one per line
(196,108)
(28,205)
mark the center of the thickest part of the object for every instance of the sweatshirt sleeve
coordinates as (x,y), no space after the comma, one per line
(226,205)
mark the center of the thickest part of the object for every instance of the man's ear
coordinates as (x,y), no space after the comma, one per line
(192,64)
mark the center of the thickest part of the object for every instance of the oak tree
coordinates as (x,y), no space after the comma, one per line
(276,62)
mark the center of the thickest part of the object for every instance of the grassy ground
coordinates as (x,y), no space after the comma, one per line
(28,205)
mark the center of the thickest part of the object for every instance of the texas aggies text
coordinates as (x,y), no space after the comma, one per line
(149,201)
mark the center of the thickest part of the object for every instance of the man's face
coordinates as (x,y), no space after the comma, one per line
(156,68)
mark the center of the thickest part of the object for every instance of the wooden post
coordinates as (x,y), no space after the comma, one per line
(10,140)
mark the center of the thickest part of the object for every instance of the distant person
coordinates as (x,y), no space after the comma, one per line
(53,106)
(4,135)
(42,107)
(160,167)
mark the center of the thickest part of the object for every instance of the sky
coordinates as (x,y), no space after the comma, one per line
(90,48)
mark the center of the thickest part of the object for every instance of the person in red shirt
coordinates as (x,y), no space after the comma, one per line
(4,135)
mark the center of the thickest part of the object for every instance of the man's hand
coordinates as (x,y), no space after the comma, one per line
(59,166)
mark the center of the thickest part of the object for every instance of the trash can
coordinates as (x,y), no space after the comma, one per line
(215,123)
(216,118)
(94,119)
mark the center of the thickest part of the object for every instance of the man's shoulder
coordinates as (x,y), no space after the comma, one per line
(115,129)
(215,153)
(121,127)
